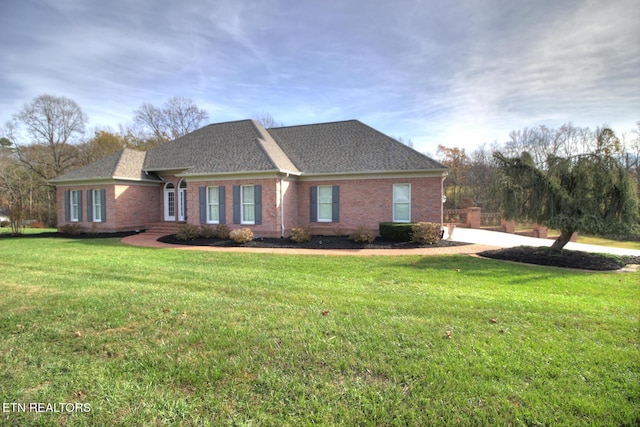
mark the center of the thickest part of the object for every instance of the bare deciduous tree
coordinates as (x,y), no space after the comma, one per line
(266,120)
(52,124)
(177,117)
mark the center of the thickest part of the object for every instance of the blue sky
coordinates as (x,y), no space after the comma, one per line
(458,73)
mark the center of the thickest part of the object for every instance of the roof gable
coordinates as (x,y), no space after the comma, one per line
(124,164)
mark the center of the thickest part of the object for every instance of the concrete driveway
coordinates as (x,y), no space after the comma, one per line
(506,240)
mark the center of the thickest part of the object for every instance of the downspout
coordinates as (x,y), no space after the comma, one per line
(282,207)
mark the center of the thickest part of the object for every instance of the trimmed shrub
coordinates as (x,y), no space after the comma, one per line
(398,231)
(300,234)
(241,235)
(221,231)
(426,233)
(187,232)
(362,234)
(72,229)
(205,231)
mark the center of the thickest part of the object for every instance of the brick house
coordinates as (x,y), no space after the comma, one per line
(332,177)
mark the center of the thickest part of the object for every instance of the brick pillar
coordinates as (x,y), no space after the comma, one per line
(574,237)
(509,226)
(474,216)
(540,231)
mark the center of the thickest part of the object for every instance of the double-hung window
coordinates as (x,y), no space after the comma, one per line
(248,205)
(74,205)
(213,205)
(325,203)
(97,205)
(402,203)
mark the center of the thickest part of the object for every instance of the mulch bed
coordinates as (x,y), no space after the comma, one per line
(565,259)
(316,242)
(70,236)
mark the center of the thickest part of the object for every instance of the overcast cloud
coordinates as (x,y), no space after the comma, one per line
(436,72)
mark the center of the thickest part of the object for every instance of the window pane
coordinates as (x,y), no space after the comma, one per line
(214,213)
(171,203)
(247,194)
(324,213)
(248,213)
(401,212)
(325,194)
(402,193)
(213,195)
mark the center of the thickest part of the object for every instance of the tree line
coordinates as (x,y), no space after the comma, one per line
(474,177)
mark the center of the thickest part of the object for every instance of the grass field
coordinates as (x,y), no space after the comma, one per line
(163,337)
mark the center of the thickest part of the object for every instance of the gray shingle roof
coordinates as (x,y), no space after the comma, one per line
(125,164)
(245,146)
(349,146)
(242,146)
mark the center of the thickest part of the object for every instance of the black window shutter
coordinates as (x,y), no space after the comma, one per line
(103,204)
(202,204)
(236,204)
(314,204)
(257,200)
(79,206)
(335,199)
(221,205)
(67,206)
(89,206)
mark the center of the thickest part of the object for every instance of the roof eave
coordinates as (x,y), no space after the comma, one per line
(373,173)
(252,174)
(101,180)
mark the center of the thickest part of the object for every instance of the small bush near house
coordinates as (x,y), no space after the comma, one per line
(362,234)
(400,232)
(36,224)
(72,229)
(187,232)
(300,234)
(241,235)
(221,231)
(205,231)
(426,233)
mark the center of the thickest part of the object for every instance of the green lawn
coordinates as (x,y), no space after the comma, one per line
(167,337)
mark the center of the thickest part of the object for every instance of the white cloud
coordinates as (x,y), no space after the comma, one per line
(457,73)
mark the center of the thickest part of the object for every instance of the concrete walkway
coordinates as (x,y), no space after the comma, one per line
(506,240)
(479,240)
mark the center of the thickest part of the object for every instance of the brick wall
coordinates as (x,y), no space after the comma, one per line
(137,206)
(368,202)
(364,202)
(270,226)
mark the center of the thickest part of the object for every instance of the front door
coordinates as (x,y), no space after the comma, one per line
(169,202)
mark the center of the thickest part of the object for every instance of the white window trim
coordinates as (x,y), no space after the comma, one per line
(393,207)
(97,205)
(243,206)
(330,219)
(209,205)
(74,214)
